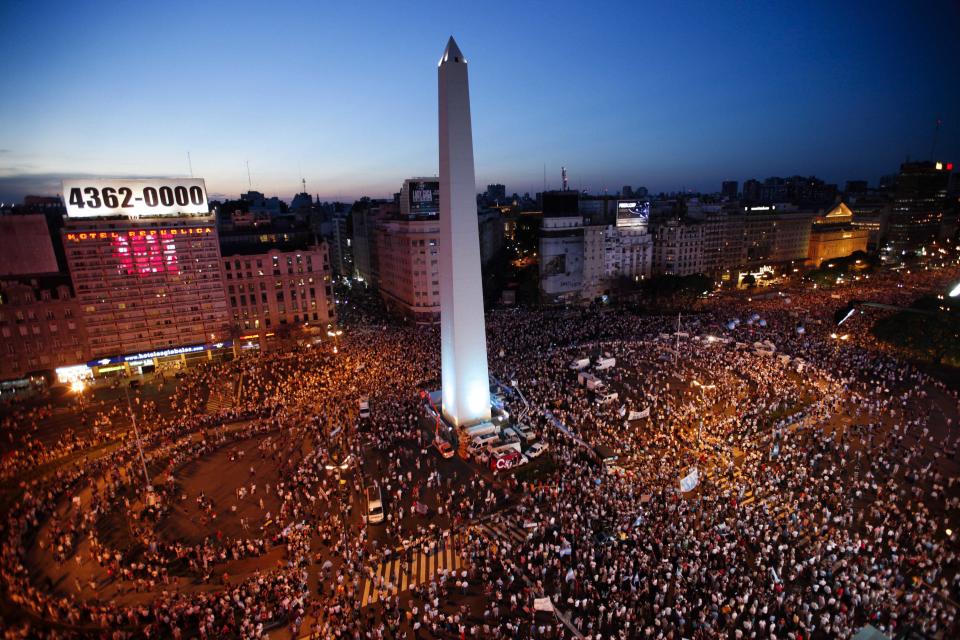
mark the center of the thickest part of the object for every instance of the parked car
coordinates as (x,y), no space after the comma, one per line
(374,505)
(537,449)
(525,432)
(364,408)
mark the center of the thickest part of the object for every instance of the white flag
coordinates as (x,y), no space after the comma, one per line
(690,481)
(542,604)
(634,415)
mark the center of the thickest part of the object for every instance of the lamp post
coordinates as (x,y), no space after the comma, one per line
(335,334)
(136,433)
(338,469)
(78,387)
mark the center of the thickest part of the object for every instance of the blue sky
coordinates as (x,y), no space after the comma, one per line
(667,95)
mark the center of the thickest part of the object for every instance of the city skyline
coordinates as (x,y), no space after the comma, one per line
(619,95)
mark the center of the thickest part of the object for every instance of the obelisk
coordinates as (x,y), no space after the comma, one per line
(463,343)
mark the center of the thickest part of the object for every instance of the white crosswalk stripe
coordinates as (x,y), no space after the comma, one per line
(400,573)
(506,530)
(221,396)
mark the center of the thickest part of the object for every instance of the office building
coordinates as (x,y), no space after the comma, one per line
(917,210)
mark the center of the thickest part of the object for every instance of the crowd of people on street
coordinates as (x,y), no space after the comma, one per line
(824,495)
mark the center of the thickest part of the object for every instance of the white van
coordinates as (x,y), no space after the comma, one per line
(374,505)
(486,438)
(481,429)
(364,408)
(580,364)
(604,398)
(605,363)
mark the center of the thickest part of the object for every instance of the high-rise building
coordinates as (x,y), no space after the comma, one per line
(150,284)
(463,340)
(341,246)
(366,221)
(751,190)
(917,211)
(729,189)
(561,249)
(496,193)
(409,267)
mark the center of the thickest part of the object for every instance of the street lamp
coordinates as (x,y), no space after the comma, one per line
(136,433)
(78,387)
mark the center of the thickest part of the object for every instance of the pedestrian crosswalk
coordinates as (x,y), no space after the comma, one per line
(506,531)
(413,567)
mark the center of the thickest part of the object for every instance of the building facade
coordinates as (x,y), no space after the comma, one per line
(147,284)
(919,202)
(834,236)
(409,262)
(268,290)
(41,326)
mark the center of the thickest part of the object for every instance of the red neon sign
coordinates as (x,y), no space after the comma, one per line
(145,253)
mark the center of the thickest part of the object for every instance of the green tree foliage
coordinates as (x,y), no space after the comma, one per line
(931,336)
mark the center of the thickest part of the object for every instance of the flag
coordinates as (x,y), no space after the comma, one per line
(623,410)
(570,575)
(566,551)
(542,604)
(690,481)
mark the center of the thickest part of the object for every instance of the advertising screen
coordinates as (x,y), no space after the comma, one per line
(631,213)
(95,198)
(424,198)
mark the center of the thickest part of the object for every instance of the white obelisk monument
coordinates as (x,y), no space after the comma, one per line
(463,343)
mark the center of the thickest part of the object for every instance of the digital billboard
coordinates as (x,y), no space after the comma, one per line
(424,198)
(95,198)
(632,213)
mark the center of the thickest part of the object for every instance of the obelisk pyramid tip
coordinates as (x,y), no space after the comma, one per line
(452,52)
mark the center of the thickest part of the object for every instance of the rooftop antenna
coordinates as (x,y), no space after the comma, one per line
(304,182)
(249,181)
(544,176)
(190,164)
(563,178)
(936,133)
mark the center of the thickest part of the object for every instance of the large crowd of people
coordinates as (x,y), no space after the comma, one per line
(825,495)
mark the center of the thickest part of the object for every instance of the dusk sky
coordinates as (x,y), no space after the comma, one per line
(666,95)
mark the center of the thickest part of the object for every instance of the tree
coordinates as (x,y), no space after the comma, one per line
(934,335)
(749,280)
